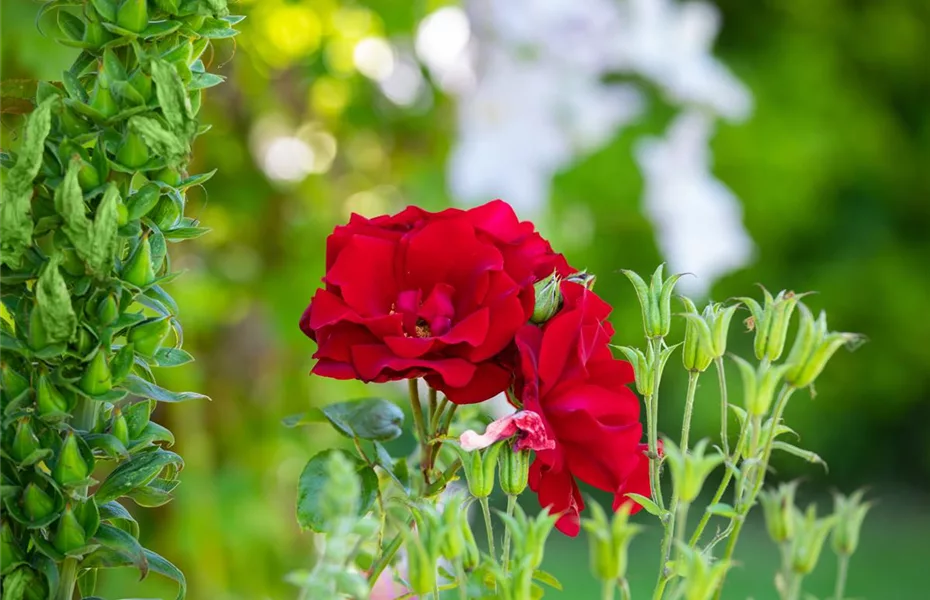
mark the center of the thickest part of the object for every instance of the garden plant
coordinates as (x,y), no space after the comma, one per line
(461,305)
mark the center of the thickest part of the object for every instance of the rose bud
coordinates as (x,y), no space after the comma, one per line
(548,299)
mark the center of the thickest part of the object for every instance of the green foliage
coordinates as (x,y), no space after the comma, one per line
(80,275)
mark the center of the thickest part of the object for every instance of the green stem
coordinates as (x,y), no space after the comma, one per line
(841,568)
(689,409)
(420,424)
(489,527)
(433,408)
(438,413)
(607,589)
(794,592)
(386,557)
(625,590)
(511,503)
(722,488)
(67,578)
(744,507)
(652,418)
(462,580)
(724,405)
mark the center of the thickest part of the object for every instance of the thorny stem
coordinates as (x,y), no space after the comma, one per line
(841,568)
(744,507)
(724,406)
(418,420)
(511,503)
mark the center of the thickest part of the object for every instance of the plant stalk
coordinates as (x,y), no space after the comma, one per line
(489,527)
(724,405)
(420,424)
(842,567)
(511,503)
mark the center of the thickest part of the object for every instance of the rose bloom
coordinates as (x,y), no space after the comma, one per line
(433,295)
(568,375)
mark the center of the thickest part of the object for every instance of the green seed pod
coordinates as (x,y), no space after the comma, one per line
(70,468)
(72,124)
(850,512)
(10,552)
(166,213)
(119,428)
(148,336)
(69,535)
(88,177)
(85,341)
(778,509)
(14,384)
(49,401)
(138,269)
(696,352)
(25,441)
(169,176)
(96,35)
(548,299)
(514,470)
(479,466)
(107,310)
(132,151)
(133,15)
(102,101)
(811,533)
(142,84)
(38,336)
(37,504)
(96,379)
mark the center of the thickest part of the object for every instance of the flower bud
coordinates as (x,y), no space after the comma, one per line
(10,552)
(813,347)
(137,270)
(102,101)
(69,534)
(96,35)
(84,341)
(133,15)
(147,337)
(647,367)
(37,504)
(119,428)
(107,310)
(13,383)
(25,441)
(71,468)
(609,541)
(655,301)
(514,470)
(759,386)
(778,508)
(811,533)
(696,352)
(548,298)
(479,468)
(50,402)
(96,379)
(770,321)
(142,83)
(133,151)
(701,578)
(849,512)
(583,278)
(690,470)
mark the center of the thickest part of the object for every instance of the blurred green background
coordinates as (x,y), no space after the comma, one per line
(833,170)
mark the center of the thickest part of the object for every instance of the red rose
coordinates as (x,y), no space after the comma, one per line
(433,295)
(569,376)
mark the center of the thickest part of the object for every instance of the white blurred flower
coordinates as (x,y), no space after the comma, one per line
(697,218)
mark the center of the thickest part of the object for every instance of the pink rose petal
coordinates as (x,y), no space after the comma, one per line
(525,424)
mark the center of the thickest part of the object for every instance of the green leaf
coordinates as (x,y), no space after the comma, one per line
(315,477)
(108,444)
(198,179)
(217,29)
(172,357)
(116,513)
(106,558)
(160,29)
(54,304)
(651,507)
(117,540)
(185,233)
(15,222)
(140,387)
(202,81)
(140,470)
(314,415)
(172,97)
(160,140)
(547,578)
(722,509)
(368,418)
